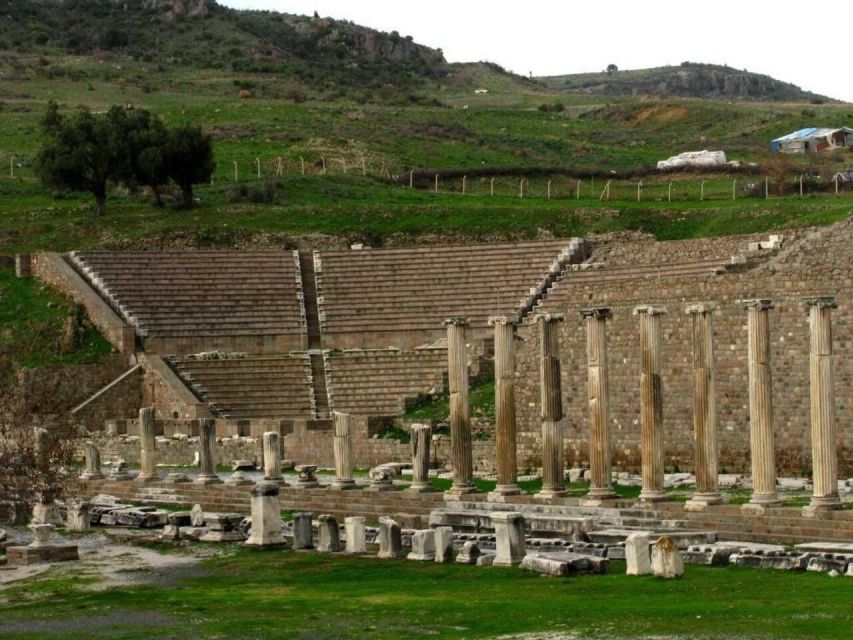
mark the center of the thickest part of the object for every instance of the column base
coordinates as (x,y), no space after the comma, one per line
(343,485)
(599,499)
(381,486)
(207,480)
(457,491)
(648,496)
(176,478)
(235,480)
(701,501)
(759,504)
(820,505)
(86,476)
(420,487)
(550,494)
(502,492)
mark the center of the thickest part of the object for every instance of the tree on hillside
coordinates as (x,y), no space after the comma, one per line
(612,68)
(83,152)
(147,139)
(189,157)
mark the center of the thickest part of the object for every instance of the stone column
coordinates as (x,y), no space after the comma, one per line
(272,457)
(93,463)
(343,451)
(760,406)
(651,403)
(421,440)
(266,515)
(303,530)
(824,435)
(704,408)
(505,426)
(207,452)
(598,399)
(551,406)
(330,534)
(510,545)
(148,444)
(390,539)
(460,422)
(356,539)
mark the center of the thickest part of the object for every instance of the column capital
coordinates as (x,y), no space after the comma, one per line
(761,304)
(821,302)
(455,322)
(599,313)
(700,307)
(650,309)
(503,320)
(548,317)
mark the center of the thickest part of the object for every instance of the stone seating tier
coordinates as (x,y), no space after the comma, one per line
(379,383)
(252,387)
(201,294)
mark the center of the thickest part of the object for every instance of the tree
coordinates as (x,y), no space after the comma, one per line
(189,157)
(147,139)
(612,68)
(83,152)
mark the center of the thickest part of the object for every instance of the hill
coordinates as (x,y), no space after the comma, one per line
(337,57)
(689,80)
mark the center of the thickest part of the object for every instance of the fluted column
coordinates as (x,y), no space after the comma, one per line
(93,463)
(148,443)
(762,448)
(823,426)
(651,403)
(272,457)
(421,441)
(207,452)
(460,421)
(551,406)
(598,397)
(704,408)
(343,451)
(505,426)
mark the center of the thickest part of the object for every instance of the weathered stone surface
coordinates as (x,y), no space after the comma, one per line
(564,563)
(505,410)
(486,560)
(197,516)
(469,553)
(444,544)
(342,447)
(330,534)
(23,556)
(666,559)
(303,532)
(266,515)
(356,538)
(785,562)
(423,545)
(77,517)
(460,420)
(421,439)
(826,563)
(509,538)
(390,539)
(637,554)
(305,476)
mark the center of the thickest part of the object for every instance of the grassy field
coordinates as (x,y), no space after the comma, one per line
(253,595)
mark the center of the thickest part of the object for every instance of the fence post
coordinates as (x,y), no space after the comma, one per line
(734,188)
(801,185)
(578,196)
(323,162)
(702,190)
(236,177)
(605,193)
(837,180)
(12,167)
(639,189)
(279,170)
(412,179)
(492,187)
(549,189)
(766,188)
(302,163)
(464,184)
(436,183)
(669,192)
(344,164)
(258,163)
(521,188)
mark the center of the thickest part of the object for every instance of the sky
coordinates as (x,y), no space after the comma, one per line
(808,45)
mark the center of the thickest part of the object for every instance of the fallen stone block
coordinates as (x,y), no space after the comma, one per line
(666,559)
(564,563)
(784,562)
(193,533)
(486,560)
(469,553)
(826,564)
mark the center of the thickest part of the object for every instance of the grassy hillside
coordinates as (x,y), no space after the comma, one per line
(687,80)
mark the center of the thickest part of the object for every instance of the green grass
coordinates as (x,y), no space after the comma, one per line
(436,409)
(31,316)
(251,594)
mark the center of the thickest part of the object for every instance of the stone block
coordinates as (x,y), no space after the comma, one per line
(390,539)
(563,563)
(330,534)
(303,532)
(423,545)
(827,563)
(666,559)
(23,556)
(444,544)
(509,538)
(469,553)
(355,530)
(637,554)
(486,560)
(784,562)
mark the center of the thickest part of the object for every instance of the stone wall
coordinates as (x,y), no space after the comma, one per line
(122,396)
(817,264)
